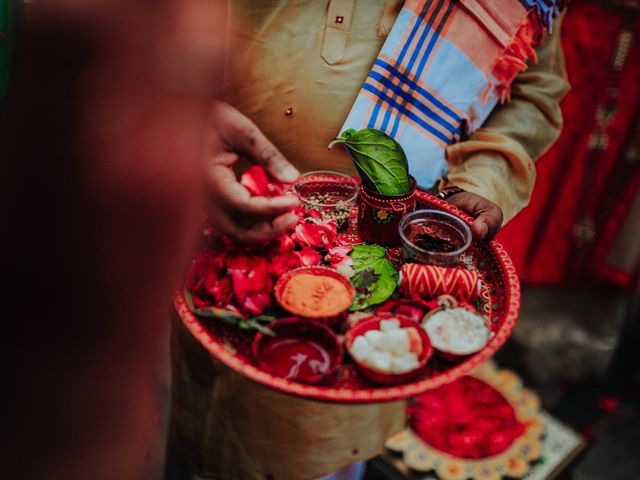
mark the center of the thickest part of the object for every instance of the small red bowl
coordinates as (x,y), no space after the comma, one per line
(373,323)
(330,319)
(323,342)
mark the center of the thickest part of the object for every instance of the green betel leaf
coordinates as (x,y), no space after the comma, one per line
(379,159)
(375,278)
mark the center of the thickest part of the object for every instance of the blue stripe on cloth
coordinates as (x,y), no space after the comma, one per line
(409,114)
(374,116)
(414,55)
(407,43)
(427,54)
(419,21)
(411,100)
(417,88)
(443,21)
(545,10)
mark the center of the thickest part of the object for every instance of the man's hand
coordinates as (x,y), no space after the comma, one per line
(233,210)
(488,216)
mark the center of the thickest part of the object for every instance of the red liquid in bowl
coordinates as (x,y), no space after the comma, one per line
(300,359)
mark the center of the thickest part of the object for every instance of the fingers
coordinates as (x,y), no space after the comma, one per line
(265,231)
(489,219)
(236,199)
(488,216)
(243,136)
(254,233)
(247,219)
(224,159)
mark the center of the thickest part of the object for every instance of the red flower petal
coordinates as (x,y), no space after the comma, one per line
(203,279)
(309,257)
(340,260)
(336,255)
(467,419)
(284,243)
(255,180)
(256,303)
(312,213)
(315,233)
(282,263)
(249,275)
(412,309)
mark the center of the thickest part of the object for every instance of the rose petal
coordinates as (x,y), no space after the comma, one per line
(312,213)
(249,274)
(345,267)
(282,263)
(256,303)
(312,233)
(309,257)
(284,243)
(203,279)
(256,180)
(336,255)
(412,309)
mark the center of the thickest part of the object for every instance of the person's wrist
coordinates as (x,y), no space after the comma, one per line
(449,192)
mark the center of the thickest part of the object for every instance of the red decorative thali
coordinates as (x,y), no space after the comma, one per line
(499,303)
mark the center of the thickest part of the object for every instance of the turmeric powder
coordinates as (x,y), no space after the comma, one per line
(316,295)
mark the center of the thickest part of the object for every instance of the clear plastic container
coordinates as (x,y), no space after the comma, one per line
(333,194)
(433,237)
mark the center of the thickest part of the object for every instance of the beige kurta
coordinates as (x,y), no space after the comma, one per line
(297,76)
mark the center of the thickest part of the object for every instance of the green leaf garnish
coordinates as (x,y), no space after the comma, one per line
(375,278)
(379,159)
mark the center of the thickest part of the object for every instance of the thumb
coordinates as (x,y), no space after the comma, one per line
(244,137)
(480,227)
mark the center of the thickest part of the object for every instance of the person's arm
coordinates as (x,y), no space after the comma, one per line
(497,162)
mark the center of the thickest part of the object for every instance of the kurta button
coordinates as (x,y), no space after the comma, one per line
(289,111)
(339,19)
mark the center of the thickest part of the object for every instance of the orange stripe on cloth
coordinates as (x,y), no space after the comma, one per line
(416,6)
(506,13)
(482,33)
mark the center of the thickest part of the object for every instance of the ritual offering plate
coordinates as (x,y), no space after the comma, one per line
(276,313)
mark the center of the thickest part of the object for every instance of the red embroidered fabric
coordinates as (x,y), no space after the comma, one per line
(549,241)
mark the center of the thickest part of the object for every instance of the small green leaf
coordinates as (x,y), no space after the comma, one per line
(379,159)
(364,279)
(375,278)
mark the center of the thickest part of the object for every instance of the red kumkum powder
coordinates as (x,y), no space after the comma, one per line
(297,359)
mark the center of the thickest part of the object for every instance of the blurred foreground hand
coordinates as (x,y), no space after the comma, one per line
(102,154)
